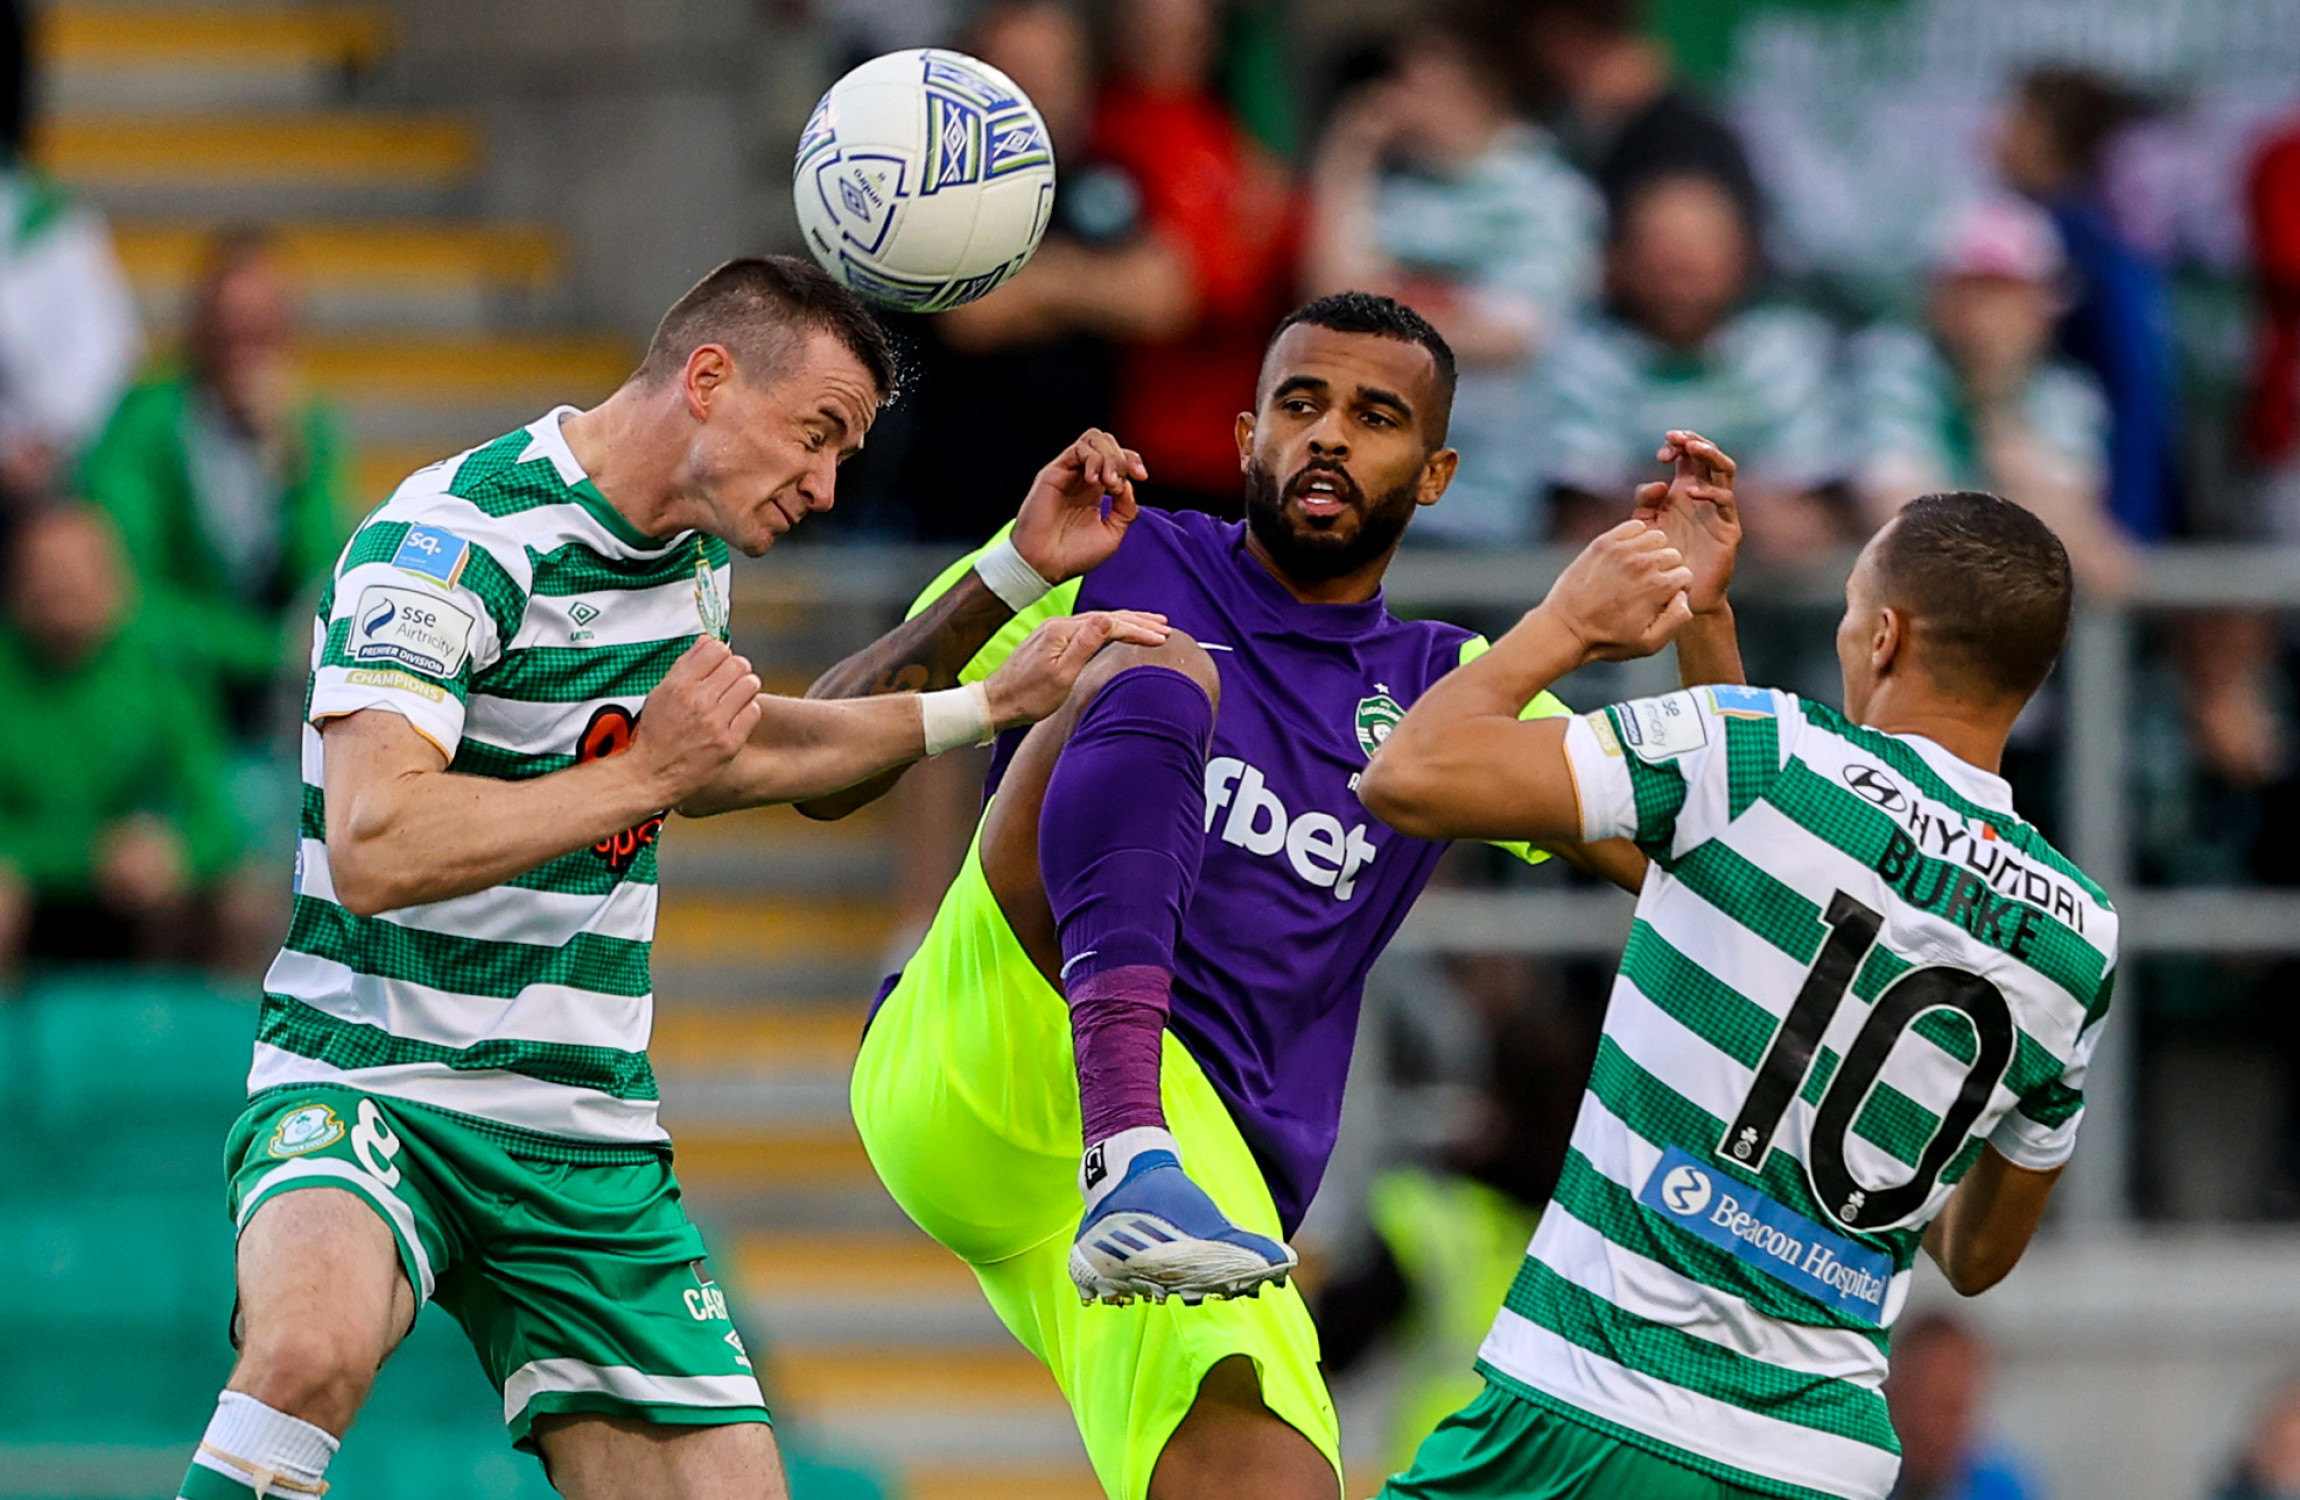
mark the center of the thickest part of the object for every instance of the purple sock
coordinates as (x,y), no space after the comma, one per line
(1119,839)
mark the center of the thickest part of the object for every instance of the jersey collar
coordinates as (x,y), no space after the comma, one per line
(547,440)
(1970,781)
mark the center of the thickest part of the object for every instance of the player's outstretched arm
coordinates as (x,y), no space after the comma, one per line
(402,830)
(1461,764)
(1988,1222)
(802,748)
(1063,530)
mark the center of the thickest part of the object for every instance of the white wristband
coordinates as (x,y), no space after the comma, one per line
(956,716)
(1005,574)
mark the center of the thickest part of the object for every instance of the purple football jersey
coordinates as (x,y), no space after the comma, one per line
(1300,888)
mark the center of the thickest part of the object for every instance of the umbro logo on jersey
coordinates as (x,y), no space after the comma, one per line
(1873,785)
(582,612)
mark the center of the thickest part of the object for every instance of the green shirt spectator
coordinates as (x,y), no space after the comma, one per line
(228,483)
(112,797)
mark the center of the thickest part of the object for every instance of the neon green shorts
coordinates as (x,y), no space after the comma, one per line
(581,1286)
(966,1095)
(1502,1445)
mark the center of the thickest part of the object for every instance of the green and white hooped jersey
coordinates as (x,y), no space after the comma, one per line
(505,610)
(1852,966)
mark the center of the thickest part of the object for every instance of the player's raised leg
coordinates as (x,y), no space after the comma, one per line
(323,1301)
(1091,850)
(1098,833)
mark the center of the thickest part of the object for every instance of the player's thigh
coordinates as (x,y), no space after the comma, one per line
(338,1239)
(593,1297)
(1010,827)
(324,1300)
(595,1456)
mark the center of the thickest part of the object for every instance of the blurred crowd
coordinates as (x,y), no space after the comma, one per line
(1592,238)
(163,522)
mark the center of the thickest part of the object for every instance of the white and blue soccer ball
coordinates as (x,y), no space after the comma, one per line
(924,179)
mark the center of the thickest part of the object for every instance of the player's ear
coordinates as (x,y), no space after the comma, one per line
(1889,644)
(708,370)
(1437,472)
(1245,434)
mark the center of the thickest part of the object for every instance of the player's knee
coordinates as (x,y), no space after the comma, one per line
(313,1369)
(1178,653)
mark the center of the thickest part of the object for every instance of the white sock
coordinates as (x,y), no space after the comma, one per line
(270,1452)
(1105,1163)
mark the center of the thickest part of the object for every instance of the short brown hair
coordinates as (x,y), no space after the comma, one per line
(1987,587)
(754,307)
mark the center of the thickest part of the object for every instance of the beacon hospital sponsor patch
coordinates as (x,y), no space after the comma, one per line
(412,627)
(1777,1240)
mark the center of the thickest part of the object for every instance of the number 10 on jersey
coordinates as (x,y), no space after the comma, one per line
(1789,1058)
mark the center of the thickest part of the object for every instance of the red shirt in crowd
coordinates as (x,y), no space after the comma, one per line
(2273,202)
(1212,194)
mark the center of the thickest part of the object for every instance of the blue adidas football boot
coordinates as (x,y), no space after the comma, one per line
(1157,1235)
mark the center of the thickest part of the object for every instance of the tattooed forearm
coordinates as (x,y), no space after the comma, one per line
(921,655)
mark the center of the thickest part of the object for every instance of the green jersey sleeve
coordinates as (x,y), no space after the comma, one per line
(1061,600)
(1545,705)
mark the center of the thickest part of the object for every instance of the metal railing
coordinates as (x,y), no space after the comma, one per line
(2097,729)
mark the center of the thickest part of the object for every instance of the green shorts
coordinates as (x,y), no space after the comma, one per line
(581,1286)
(1502,1445)
(966,1095)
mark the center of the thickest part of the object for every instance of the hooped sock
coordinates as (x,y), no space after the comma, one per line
(1120,836)
(252,1451)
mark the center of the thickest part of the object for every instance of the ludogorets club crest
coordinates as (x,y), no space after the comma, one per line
(1376,717)
(306,1130)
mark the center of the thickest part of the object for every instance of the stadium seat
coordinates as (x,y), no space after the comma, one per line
(110,1048)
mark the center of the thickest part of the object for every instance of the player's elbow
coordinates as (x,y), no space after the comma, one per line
(364,879)
(1973,1273)
(1400,792)
(359,888)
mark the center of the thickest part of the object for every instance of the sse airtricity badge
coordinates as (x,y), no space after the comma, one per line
(1377,716)
(306,1130)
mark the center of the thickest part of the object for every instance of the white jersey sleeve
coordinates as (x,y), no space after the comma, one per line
(1669,772)
(418,609)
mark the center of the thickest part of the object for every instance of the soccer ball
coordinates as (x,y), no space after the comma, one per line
(924,179)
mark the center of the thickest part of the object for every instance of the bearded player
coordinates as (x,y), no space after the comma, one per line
(1156,948)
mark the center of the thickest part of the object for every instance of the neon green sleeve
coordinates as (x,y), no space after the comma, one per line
(1545,705)
(1059,601)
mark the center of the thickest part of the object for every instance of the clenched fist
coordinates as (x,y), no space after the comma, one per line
(1038,677)
(699,715)
(1625,595)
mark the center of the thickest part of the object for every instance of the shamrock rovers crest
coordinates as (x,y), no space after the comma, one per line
(306,1130)
(1377,716)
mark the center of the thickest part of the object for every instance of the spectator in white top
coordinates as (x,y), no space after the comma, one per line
(1430,189)
(1680,347)
(1980,402)
(69,337)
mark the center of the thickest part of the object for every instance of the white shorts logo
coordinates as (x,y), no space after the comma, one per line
(373,1142)
(1686,1191)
